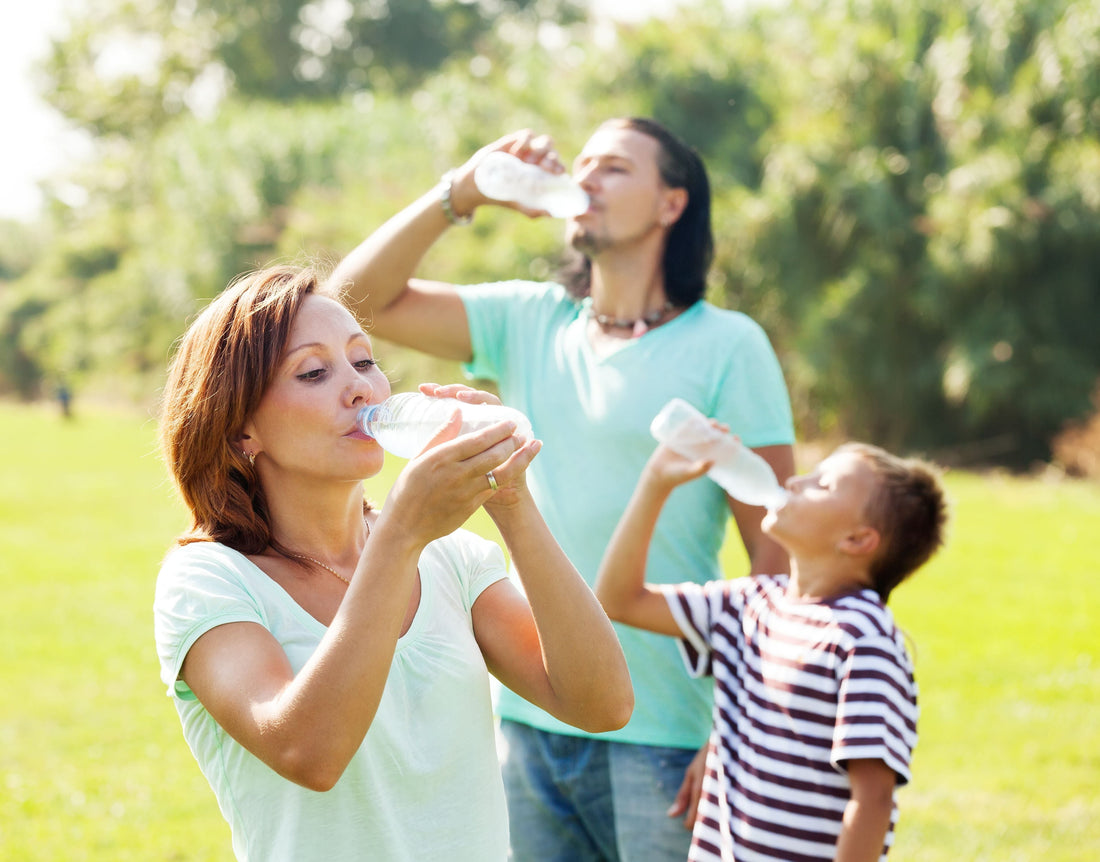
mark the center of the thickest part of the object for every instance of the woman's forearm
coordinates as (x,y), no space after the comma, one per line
(585,667)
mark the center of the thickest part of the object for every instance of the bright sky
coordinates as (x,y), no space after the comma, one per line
(36,144)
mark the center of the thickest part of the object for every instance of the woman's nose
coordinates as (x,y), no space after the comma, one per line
(359,390)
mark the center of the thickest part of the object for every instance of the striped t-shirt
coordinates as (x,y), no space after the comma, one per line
(801,687)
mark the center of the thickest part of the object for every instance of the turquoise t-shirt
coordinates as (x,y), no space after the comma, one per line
(424,784)
(593,414)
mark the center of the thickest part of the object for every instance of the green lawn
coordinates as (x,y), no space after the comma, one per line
(93,765)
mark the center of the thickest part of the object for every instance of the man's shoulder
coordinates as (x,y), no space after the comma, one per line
(724,320)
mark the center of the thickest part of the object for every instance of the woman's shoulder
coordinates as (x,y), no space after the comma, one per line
(190,565)
(201,554)
(464,547)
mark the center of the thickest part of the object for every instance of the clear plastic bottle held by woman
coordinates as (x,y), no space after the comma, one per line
(504,177)
(404,423)
(741,472)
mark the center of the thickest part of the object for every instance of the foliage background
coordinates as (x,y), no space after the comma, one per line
(907,196)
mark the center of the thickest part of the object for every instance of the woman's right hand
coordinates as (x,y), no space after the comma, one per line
(444,485)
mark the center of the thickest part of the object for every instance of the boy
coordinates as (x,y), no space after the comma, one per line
(815,703)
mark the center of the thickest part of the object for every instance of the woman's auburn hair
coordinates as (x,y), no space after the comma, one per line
(225,362)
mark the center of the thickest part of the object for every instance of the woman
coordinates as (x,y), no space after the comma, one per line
(329,662)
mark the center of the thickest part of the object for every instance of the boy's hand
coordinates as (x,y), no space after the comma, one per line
(667,469)
(686,804)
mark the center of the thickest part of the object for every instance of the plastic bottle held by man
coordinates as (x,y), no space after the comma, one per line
(742,473)
(504,177)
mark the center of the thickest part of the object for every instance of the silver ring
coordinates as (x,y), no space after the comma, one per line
(492,480)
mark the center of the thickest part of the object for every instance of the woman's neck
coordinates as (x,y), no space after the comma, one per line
(325,524)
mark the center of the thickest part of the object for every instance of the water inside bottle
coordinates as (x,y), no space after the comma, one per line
(505,177)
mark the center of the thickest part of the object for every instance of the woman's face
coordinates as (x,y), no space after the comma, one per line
(304,427)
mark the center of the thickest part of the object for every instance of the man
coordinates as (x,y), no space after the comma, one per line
(591,363)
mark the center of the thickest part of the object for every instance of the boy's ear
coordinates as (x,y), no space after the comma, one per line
(861,542)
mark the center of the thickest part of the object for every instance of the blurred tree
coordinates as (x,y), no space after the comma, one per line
(907,196)
(127,66)
(936,262)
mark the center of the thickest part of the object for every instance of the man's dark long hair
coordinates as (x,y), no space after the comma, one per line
(690,248)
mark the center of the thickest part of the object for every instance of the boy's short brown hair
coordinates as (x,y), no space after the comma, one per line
(909,510)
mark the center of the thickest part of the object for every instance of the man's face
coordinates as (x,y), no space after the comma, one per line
(629,201)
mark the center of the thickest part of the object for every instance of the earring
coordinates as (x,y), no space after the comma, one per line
(251,456)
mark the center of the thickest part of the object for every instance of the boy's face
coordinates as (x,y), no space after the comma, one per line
(825,507)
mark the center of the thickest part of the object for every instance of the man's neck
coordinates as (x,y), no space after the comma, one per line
(627,286)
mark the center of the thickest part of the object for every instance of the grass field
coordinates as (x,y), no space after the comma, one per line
(93,765)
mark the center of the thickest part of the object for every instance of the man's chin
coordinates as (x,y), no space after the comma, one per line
(579,239)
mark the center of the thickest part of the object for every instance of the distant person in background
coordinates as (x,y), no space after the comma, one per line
(591,361)
(65,400)
(329,661)
(815,713)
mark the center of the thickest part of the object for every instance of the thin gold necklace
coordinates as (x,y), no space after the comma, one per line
(315,561)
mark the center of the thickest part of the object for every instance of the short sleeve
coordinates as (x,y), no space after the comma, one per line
(877,708)
(499,311)
(694,607)
(477,563)
(200,586)
(752,398)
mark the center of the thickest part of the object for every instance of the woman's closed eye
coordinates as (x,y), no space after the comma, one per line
(312,376)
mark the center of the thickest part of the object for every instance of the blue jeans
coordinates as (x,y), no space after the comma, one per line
(576,799)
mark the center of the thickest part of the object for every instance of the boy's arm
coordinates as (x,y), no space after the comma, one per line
(620,584)
(867,815)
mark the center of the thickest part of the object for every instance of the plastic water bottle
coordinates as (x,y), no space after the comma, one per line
(503,177)
(740,471)
(404,423)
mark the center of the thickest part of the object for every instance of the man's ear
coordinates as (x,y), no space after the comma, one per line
(673,205)
(861,542)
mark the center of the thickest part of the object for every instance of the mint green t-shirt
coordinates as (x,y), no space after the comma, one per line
(593,414)
(424,784)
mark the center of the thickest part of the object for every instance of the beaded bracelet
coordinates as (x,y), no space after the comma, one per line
(445,201)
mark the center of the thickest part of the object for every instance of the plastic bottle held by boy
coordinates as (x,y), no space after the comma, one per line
(741,472)
(503,177)
(404,423)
